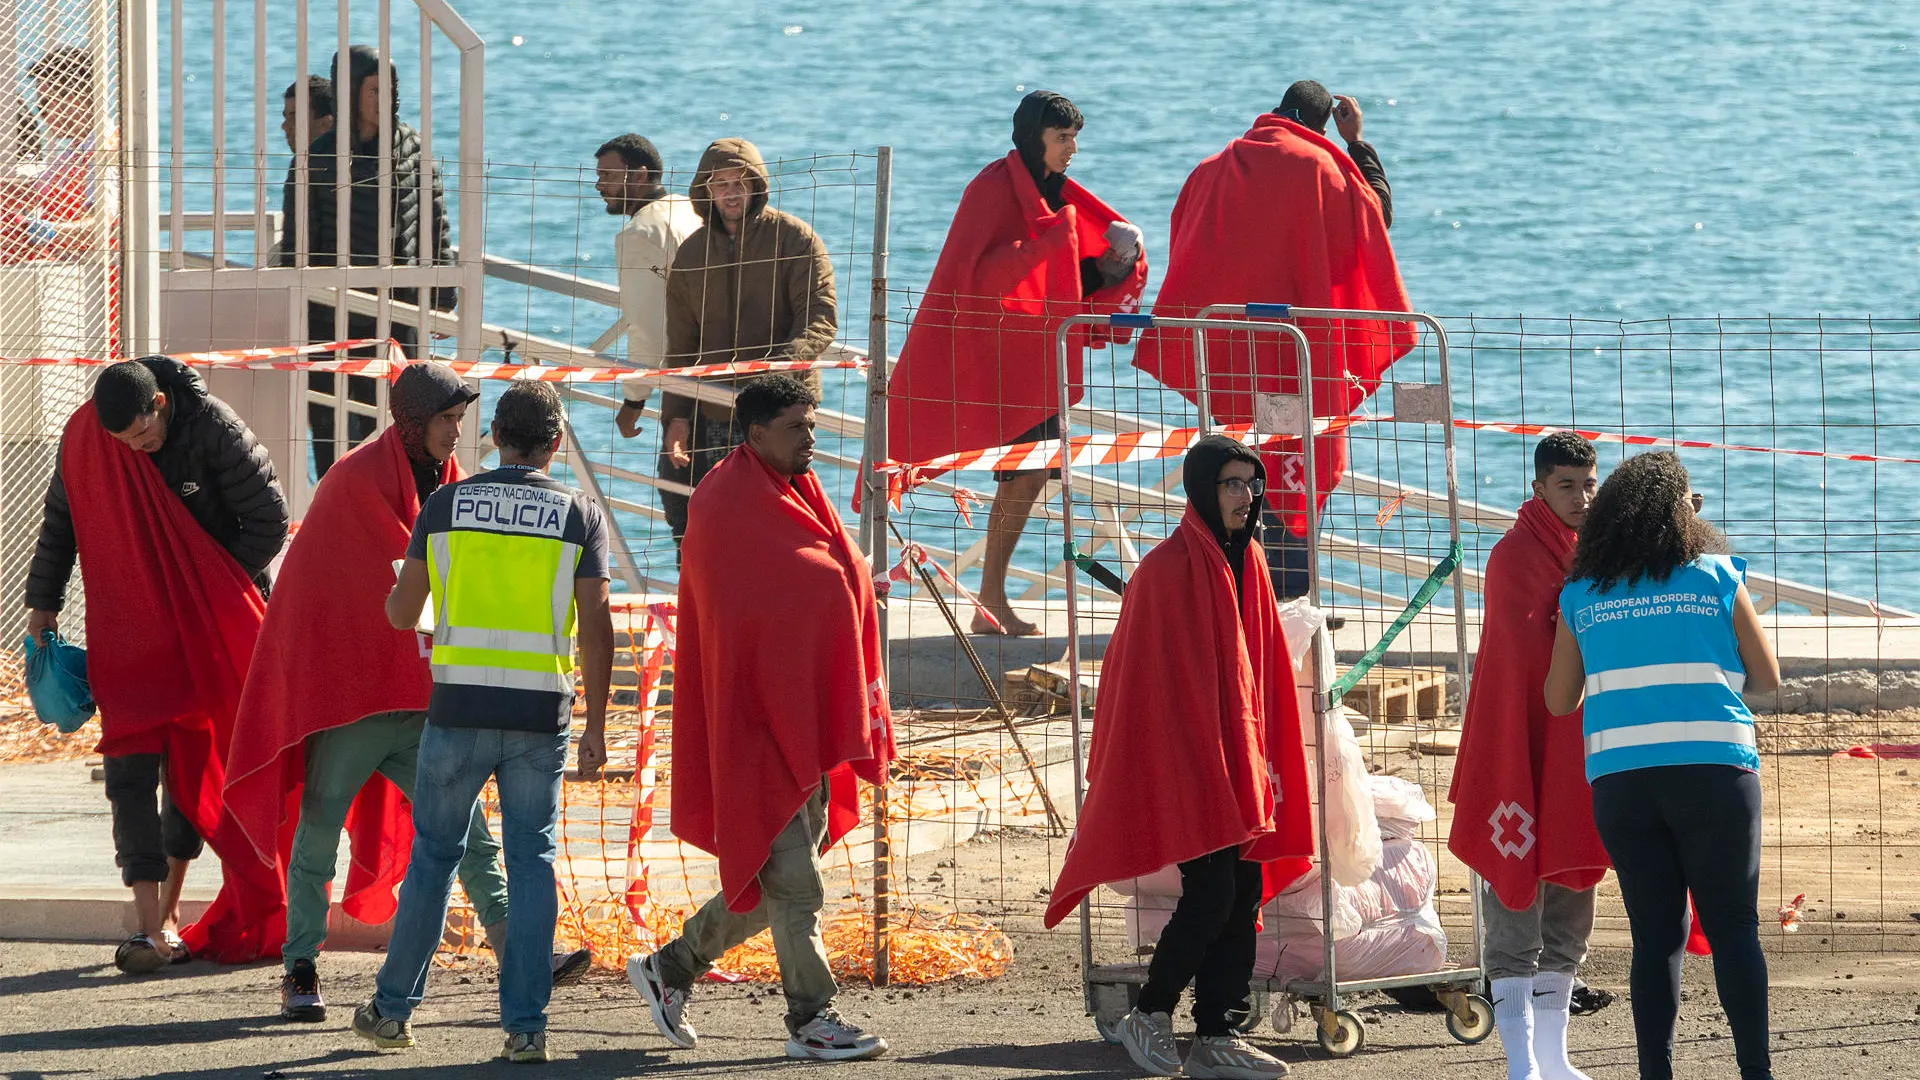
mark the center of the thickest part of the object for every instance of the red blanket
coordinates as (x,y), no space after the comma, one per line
(1523,812)
(327,619)
(1196,732)
(1281,216)
(777,677)
(979,366)
(171,623)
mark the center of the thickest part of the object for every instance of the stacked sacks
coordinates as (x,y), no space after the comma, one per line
(1385,926)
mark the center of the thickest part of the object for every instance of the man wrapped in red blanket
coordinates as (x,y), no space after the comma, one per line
(323,752)
(1523,813)
(1028,247)
(171,506)
(1283,216)
(1198,760)
(779,705)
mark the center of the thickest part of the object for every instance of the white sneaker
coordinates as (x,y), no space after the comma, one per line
(827,1037)
(1230,1057)
(1148,1038)
(668,1004)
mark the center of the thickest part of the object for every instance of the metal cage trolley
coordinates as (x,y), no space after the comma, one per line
(1111,989)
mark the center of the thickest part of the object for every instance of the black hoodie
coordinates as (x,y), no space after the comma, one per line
(1200,477)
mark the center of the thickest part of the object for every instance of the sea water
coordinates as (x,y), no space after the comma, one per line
(1620,163)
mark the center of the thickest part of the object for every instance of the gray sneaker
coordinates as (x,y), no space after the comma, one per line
(382,1031)
(1148,1038)
(571,967)
(827,1037)
(1230,1057)
(529,1048)
(668,1004)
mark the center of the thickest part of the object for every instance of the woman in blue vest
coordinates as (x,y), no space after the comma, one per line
(1658,638)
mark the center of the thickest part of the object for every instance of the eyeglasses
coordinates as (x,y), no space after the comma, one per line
(1698,500)
(1237,487)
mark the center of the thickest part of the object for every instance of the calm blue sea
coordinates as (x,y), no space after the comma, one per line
(1621,163)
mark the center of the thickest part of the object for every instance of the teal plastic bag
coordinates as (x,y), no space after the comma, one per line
(57,682)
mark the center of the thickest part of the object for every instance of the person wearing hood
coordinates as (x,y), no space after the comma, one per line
(628,171)
(1198,761)
(419,233)
(752,283)
(181,541)
(344,754)
(1027,248)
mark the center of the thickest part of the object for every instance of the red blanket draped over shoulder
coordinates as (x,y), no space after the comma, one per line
(777,676)
(171,622)
(979,365)
(326,658)
(1523,812)
(1281,216)
(1196,731)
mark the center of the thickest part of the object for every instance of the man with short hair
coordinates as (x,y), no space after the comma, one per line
(175,550)
(780,705)
(752,283)
(1523,813)
(419,234)
(510,558)
(1283,216)
(629,175)
(319,110)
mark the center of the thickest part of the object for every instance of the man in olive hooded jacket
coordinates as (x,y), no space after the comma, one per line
(752,283)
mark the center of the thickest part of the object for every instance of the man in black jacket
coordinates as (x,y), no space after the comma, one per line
(419,236)
(207,458)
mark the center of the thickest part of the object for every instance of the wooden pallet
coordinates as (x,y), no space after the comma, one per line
(1047,684)
(1398,695)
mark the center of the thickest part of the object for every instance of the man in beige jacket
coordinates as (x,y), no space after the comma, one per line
(628,174)
(754,283)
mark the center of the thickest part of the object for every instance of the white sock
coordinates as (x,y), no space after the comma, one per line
(1552,995)
(1513,1013)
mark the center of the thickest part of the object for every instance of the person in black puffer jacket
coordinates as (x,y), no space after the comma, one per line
(410,245)
(211,460)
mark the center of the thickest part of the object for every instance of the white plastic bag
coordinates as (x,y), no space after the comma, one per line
(1352,841)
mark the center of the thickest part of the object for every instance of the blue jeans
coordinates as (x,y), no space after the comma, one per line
(455,764)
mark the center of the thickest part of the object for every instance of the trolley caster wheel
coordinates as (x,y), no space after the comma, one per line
(1109,1033)
(1479,1022)
(1347,1035)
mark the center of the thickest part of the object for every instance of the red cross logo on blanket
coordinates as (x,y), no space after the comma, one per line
(1512,830)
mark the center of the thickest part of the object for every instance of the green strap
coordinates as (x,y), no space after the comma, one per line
(1421,598)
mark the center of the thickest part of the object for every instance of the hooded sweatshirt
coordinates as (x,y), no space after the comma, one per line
(421,392)
(1030,123)
(765,294)
(1200,478)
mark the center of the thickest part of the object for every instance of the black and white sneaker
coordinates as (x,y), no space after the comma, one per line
(668,1004)
(827,1037)
(300,994)
(571,967)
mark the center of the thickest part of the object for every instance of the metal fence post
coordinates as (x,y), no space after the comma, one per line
(873,527)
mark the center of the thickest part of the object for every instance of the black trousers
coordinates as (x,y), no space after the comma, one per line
(360,388)
(708,442)
(1673,829)
(1208,942)
(148,829)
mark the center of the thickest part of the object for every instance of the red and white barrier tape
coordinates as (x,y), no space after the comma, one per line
(276,359)
(914,555)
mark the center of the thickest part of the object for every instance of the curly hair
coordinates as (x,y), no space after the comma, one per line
(528,417)
(1642,525)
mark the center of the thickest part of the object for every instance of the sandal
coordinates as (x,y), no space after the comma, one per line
(181,954)
(137,956)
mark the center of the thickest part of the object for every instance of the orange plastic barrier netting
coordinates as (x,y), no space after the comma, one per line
(626,885)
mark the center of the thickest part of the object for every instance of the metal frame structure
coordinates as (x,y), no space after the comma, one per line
(1108,989)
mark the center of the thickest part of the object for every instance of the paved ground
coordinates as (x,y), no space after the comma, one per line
(64,1012)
